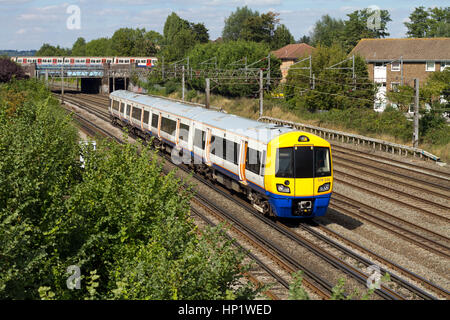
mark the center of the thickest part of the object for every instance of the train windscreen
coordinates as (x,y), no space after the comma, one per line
(303,162)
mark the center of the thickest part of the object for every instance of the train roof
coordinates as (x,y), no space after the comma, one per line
(262,132)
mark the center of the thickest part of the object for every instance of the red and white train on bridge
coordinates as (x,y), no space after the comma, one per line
(87,61)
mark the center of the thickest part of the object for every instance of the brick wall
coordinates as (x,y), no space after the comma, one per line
(411,70)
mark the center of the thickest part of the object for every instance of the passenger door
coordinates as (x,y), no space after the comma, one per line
(304,170)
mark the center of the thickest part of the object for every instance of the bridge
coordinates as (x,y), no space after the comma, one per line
(95,78)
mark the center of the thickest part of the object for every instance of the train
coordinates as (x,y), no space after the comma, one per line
(145,62)
(283,172)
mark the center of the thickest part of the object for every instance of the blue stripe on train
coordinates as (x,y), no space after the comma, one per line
(282,205)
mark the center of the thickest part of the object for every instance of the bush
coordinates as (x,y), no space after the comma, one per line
(9,70)
(171,87)
(38,148)
(124,223)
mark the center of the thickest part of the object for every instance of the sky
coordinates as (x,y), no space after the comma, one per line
(27,24)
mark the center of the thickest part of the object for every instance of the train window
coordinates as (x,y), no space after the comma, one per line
(122,107)
(136,114)
(155,119)
(168,126)
(146,116)
(253,161)
(217,144)
(304,165)
(284,167)
(116,105)
(199,139)
(231,151)
(184,132)
(322,166)
(128,110)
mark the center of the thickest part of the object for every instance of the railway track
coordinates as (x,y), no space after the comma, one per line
(387,293)
(392,162)
(270,276)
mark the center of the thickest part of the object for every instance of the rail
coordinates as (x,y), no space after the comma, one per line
(345,137)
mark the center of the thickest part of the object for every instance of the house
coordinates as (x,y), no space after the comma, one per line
(290,54)
(394,62)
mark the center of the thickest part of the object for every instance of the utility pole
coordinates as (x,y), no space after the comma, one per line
(182,85)
(268,72)
(416,114)
(353,73)
(261,93)
(207,93)
(310,69)
(62,84)
(163,68)
(401,70)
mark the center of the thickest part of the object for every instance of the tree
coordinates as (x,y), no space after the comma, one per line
(200,32)
(327,31)
(123,42)
(439,22)
(234,24)
(173,25)
(180,36)
(260,28)
(9,70)
(418,26)
(281,37)
(79,48)
(305,39)
(48,50)
(357,27)
(99,47)
(433,22)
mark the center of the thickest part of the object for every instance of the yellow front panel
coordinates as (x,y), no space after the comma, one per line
(298,187)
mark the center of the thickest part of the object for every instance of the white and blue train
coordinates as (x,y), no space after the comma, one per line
(282,171)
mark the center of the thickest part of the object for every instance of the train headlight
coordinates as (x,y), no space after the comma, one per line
(324,187)
(283,189)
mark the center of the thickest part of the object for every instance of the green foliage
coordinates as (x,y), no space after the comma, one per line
(132,42)
(99,47)
(432,22)
(234,24)
(10,70)
(433,128)
(402,97)
(296,290)
(124,223)
(228,53)
(172,86)
(48,50)
(180,36)
(333,88)
(437,86)
(192,94)
(281,37)
(37,169)
(356,27)
(244,24)
(327,31)
(79,48)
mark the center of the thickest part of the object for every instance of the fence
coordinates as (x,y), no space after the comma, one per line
(344,137)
